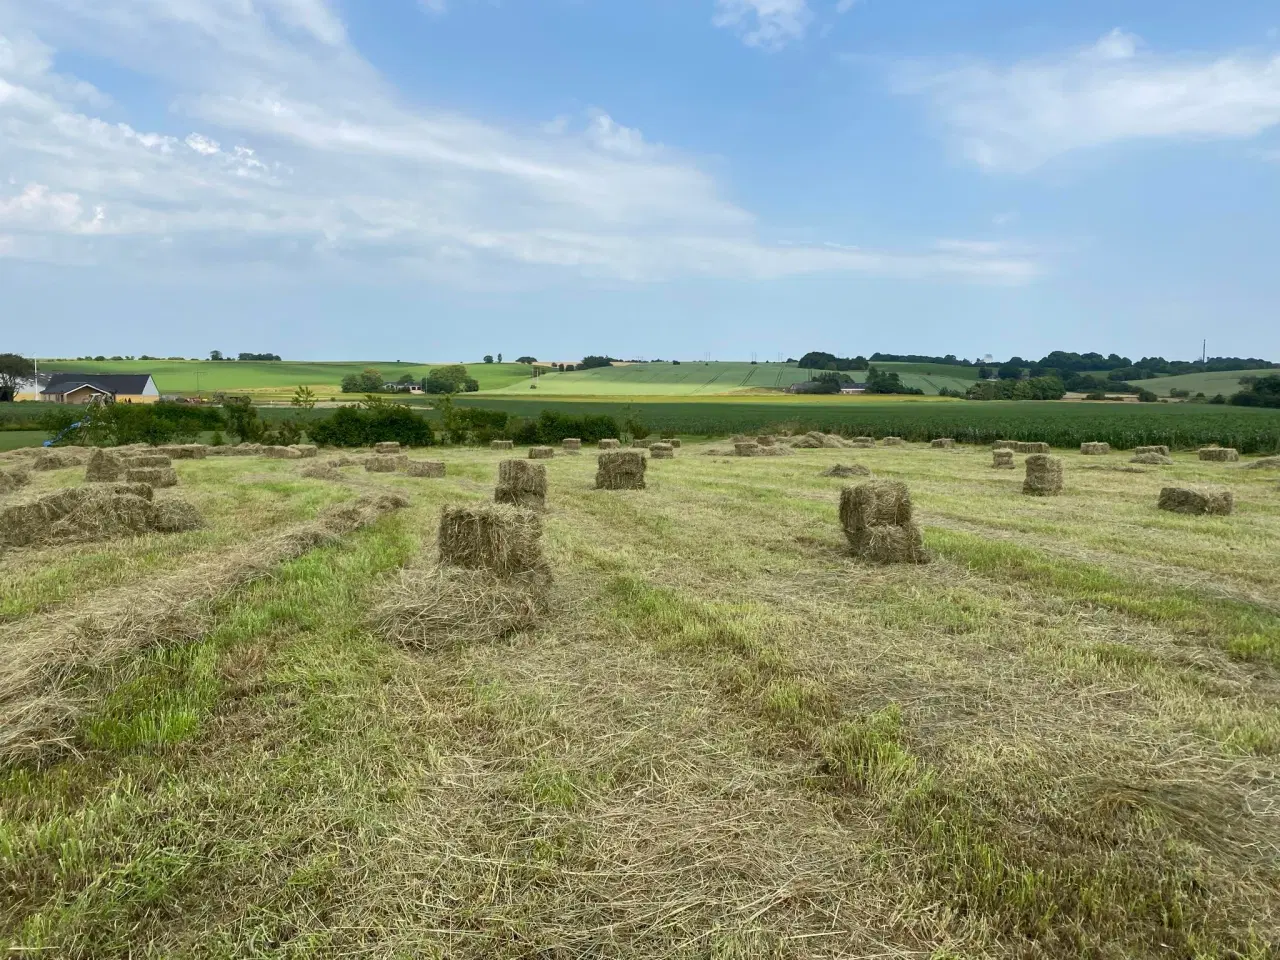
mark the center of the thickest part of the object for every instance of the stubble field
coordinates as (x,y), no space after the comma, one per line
(727,739)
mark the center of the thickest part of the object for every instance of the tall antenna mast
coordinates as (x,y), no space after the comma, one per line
(1204,351)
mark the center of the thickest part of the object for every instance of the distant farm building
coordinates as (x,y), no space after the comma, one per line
(100,388)
(30,387)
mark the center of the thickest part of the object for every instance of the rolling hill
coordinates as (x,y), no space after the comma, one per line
(1210,384)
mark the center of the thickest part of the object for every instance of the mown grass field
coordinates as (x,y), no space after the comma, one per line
(729,739)
(1210,384)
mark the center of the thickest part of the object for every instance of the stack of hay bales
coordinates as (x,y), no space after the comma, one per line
(1004,445)
(501,444)
(662,451)
(877,521)
(48,458)
(521,484)
(425,468)
(620,470)
(609,444)
(104,467)
(1161,449)
(1152,459)
(894,442)
(382,464)
(673,442)
(942,443)
(492,581)
(847,470)
(93,513)
(1210,501)
(1002,459)
(153,469)
(306,450)
(184,451)
(571,445)
(748,448)
(387,447)
(1219,454)
(1044,475)
(863,442)
(1034,446)
(541,453)
(1095,449)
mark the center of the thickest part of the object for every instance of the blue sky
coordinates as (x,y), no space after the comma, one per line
(437,179)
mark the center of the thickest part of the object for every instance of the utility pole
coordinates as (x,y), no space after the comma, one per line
(1204,353)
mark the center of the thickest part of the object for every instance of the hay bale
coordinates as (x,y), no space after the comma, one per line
(276,452)
(382,464)
(501,539)
(84,514)
(154,476)
(339,462)
(776,451)
(143,490)
(863,442)
(673,442)
(448,607)
(942,443)
(609,444)
(846,470)
(56,460)
(876,519)
(306,450)
(172,515)
(387,447)
(1153,459)
(1002,459)
(1219,454)
(1044,476)
(321,471)
(521,484)
(501,444)
(103,467)
(1034,446)
(541,453)
(571,445)
(1095,449)
(641,444)
(425,468)
(894,442)
(748,449)
(1265,463)
(1158,448)
(11,480)
(184,451)
(621,470)
(662,451)
(145,461)
(890,544)
(1203,501)
(1004,445)
(766,440)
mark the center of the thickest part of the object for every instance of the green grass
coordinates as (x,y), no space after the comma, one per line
(1210,384)
(711,378)
(13,439)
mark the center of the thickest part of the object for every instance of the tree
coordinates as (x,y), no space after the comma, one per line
(303,398)
(488,358)
(368,380)
(526,359)
(1011,370)
(12,369)
(595,361)
(450,379)
(215,354)
(242,420)
(499,358)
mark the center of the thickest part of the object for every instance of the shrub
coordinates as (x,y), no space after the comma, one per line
(552,427)
(372,423)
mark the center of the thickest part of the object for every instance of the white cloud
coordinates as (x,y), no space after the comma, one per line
(1020,116)
(292,151)
(764,23)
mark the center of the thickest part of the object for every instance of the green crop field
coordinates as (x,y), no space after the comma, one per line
(698,378)
(1210,384)
(275,378)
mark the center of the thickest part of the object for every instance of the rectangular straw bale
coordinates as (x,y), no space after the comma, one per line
(1095,449)
(104,467)
(501,444)
(502,539)
(146,461)
(1219,454)
(889,544)
(1034,446)
(1211,501)
(1152,459)
(1004,445)
(609,444)
(184,451)
(386,447)
(425,468)
(276,452)
(1044,475)
(766,440)
(673,442)
(521,483)
(893,442)
(11,480)
(571,445)
(56,460)
(541,453)
(155,476)
(306,449)
(382,464)
(642,444)
(875,503)
(863,443)
(942,443)
(662,451)
(1002,459)
(620,470)
(747,449)
(1158,448)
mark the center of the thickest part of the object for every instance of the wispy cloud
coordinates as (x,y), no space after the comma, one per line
(290,150)
(1020,116)
(764,23)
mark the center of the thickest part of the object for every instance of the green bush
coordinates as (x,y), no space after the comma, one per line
(552,427)
(372,423)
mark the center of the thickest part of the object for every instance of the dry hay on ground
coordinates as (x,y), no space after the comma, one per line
(894,442)
(609,444)
(942,443)
(816,440)
(387,447)
(307,450)
(56,460)
(1213,501)
(776,451)
(343,461)
(501,539)
(155,476)
(184,451)
(541,453)
(142,461)
(321,471)
(425,468)
(766,440)
(1154,448)
(1266,463)
(748,448)
(1152,459)
(44,665)
(281,453)
(662,451)
(521,484)
(1002,459)
(501,444)
(571,445)
(1034,446)
(673,442)
(620,470)
(448,607)
(82,514)
(380,464)
(1095,449)
(1044,475)
(11,480)
(876,517)
(1219,454)
(846,470)
(103,467)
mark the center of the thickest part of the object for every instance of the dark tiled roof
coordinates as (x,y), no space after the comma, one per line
(129,384)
